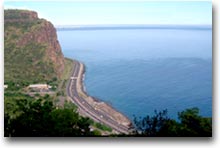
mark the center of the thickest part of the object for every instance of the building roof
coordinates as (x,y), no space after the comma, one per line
(38,85)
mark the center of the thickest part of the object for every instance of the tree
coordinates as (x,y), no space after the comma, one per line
(150,126)
(39,117)
(190,125)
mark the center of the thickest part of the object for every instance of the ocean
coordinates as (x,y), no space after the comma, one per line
(141,70)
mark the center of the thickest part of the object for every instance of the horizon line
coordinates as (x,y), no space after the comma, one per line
(129,26)
(75,25)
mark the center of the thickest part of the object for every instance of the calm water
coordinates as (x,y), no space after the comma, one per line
(138,71)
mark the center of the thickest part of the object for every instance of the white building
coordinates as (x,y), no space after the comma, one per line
(5,86)
(40,86)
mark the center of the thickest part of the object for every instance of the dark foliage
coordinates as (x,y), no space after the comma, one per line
(29,117)
(190,124)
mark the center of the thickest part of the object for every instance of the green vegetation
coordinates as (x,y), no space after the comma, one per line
(65,77)
(27,116)
(17,14)
(25,55)
(40,116)
(61,89)
(102,127)
(68,68)
(191,124)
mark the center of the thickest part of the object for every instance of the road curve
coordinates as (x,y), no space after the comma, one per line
(88,109)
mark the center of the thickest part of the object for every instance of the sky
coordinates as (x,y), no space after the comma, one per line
(112,12)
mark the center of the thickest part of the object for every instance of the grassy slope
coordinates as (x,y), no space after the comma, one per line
(61,90)
(27,63)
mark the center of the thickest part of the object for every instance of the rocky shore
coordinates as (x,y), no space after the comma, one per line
(99,105)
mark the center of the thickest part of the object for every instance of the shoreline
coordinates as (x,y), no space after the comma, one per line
(97,103)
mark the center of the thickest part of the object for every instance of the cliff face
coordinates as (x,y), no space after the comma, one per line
(46,34)
(31,43)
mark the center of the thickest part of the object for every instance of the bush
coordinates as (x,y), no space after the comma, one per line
(26,116)
(191,124)
(102,127)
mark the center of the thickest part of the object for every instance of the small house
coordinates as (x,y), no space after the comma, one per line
(39,87)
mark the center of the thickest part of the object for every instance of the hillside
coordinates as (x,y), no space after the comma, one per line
(32,53)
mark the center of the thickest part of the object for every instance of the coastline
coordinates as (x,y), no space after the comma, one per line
(98,104)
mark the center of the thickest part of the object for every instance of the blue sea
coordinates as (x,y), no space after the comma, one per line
(138,71)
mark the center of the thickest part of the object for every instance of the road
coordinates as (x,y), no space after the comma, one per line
(85,107)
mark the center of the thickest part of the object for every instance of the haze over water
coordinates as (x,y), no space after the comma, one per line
(140,70)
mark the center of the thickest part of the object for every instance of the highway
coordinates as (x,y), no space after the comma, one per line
(85,107)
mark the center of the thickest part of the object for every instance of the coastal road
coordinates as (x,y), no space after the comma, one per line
(85,107)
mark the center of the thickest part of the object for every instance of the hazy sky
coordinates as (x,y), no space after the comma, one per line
(111,12)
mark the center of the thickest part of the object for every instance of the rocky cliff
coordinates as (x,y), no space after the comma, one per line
(32,51)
